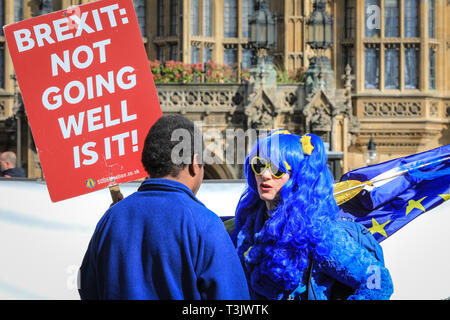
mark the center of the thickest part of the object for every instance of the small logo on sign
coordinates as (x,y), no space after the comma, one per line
(90,183)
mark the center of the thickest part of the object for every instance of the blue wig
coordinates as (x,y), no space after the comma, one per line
(296,228)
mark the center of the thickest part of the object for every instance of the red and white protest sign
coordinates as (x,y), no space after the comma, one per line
(88,93)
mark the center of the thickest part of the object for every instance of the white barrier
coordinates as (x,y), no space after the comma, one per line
(42,243)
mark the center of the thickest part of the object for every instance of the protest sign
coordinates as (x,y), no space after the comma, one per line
(88,94)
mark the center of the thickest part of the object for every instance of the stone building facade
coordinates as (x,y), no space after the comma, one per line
(395,90)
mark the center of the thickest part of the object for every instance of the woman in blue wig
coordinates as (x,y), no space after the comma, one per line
(287,234)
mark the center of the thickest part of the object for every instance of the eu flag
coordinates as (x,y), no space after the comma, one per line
(403,189)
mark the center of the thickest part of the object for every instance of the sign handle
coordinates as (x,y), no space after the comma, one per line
(116,195)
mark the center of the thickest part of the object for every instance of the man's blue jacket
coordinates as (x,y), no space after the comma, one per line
(161,242)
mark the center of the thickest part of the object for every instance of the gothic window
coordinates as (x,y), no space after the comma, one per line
(160,21)
(391,18)
(247,55)
(160,53)
(46,6)
(372,18)
(18,10)
(350,19)
(411,67)
(207,18)
(230,57)
(207,54)
(174,52)
(411,18)
(139,8)
(431,18)
(396,60)
(195,54)
(248,10)
(391,67)
(195,29)
(173,17)
(2,16)
(372,67)
(432,69)
(230,20)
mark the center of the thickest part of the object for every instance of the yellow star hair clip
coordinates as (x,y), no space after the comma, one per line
(306,144)
(280,132)
(287,166)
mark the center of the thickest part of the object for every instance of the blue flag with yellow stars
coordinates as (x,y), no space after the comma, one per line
(402,189)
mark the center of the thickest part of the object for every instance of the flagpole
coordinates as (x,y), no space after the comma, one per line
(371,182)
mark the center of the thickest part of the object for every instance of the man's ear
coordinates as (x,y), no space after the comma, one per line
(195,166)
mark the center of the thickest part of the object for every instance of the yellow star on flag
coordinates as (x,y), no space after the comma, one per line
(376,227)
(413,204)
(445,196)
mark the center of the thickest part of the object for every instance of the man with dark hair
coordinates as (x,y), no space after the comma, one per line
(158,156)
(161,242)
(8,166)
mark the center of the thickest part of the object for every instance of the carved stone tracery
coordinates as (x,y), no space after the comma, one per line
(261,112)
(373,109)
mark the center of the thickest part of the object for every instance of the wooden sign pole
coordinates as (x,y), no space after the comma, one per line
(116,195)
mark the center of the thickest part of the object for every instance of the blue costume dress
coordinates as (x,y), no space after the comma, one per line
(161,243)
(347,264)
